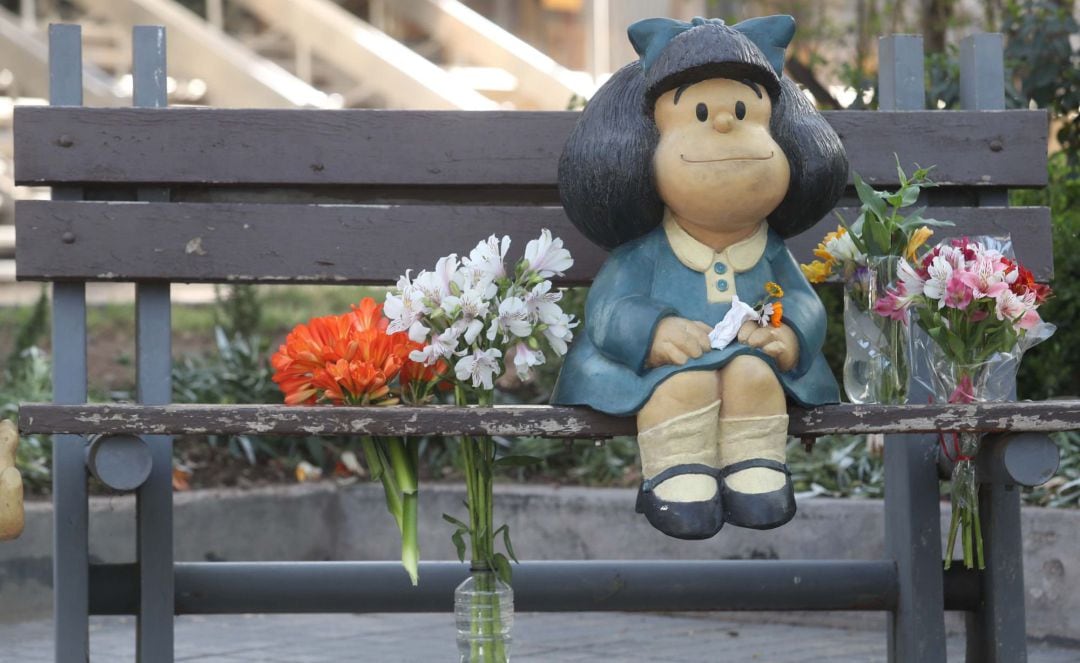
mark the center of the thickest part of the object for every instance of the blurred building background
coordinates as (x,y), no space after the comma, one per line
(427,54)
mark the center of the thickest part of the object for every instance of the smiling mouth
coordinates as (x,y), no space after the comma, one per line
(683,157)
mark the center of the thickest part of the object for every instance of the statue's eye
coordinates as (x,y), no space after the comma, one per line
(702,112)
(740,110)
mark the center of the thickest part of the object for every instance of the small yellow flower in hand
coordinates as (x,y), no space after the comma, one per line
(774,289)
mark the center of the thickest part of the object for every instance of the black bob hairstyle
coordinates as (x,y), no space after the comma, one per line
(606,181)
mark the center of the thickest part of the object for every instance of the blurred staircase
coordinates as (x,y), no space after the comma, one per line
(418,54)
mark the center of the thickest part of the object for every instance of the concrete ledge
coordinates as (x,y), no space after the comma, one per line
(327,522)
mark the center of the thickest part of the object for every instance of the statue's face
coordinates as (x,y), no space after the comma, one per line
(717,167)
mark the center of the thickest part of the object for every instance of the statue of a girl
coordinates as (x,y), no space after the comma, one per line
(692,165)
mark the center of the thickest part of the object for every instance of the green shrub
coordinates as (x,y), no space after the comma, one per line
(1052,370)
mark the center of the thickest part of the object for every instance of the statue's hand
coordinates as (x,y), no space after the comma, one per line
(12,517)
(677,341)
(780,343)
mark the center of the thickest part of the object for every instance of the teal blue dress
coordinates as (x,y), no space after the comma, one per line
(642,282)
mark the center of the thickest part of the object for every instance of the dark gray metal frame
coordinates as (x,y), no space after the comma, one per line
(910,585)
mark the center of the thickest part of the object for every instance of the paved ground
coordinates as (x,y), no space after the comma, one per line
(556,638)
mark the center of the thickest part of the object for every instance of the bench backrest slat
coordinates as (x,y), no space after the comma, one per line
(223,242)
(456,149)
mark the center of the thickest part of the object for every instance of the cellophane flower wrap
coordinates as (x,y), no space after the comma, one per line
(864,255)
(977,309)
(351,359)
(484,317)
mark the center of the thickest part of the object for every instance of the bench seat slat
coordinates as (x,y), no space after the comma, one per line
(516,421)
(449,148)
(242,242)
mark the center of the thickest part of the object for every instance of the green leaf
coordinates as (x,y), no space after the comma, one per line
(869,197)
(517,461)
(459,542)
(879,238)
(909,195)
(502,567)
(454,521)
(506,542)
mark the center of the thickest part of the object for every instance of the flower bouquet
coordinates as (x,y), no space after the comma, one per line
(480,315)
(979,309)
(350,359)
(864,256)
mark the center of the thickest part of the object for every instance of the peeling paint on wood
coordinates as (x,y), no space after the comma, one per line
(516,421)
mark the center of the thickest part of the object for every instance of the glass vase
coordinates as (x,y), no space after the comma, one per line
(484,611)
(876,364)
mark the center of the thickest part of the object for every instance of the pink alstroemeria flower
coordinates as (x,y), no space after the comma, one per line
(1029,320)
(957,293)
(986,277)
(892,306)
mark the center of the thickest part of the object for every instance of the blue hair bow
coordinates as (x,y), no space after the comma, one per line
(771,34)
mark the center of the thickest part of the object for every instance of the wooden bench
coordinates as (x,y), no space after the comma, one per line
(157,196)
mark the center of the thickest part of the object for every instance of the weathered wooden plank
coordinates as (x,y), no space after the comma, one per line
(110,241)
(515,421)
(448,148)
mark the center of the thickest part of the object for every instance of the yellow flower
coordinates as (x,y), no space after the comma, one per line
(823,253)
(817,271)
(917,239)
(774,289)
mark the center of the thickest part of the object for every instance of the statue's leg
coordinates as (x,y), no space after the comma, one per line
(677,431)
(757,488)
(11,487)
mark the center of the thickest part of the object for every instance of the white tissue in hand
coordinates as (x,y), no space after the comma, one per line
(727,329)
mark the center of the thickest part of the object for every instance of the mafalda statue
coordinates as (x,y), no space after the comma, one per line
(693,165)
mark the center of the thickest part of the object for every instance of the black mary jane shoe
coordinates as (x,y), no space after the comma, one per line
(682,520)
(758,510)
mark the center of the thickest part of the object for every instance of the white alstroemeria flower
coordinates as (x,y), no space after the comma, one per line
(546,256)
(487,258)
(442,345)
(1010,306)
(525,358)
(727,329)
(469,330)
(418,332)
(542,303)
(912,282)
(843,249)
(435,285)
(480,282)
(513,320)
(952,255)
(480,367)
(558,333)
(405,307)
(940,271)
(469,309)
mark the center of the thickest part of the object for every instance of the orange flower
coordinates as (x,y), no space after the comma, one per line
(777,314)
(346,358)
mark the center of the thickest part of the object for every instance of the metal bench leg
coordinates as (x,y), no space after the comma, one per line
(913,539)
(153,320)
(70,534)
(996,631)
(912,512)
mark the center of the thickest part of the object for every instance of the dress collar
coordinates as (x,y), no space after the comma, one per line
(742,255)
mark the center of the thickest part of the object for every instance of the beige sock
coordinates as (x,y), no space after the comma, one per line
(686,438)
(11,488)
(754,437)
